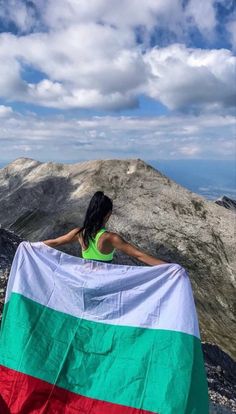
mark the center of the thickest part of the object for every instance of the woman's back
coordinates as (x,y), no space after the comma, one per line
(96,244)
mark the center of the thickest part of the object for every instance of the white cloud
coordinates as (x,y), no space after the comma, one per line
(169,137)
(5,111)
(190,150)
(202,14)
(88,54)
(94,66)
(20,12)
(23,148)
(90,66)
(185,78)
(122,14)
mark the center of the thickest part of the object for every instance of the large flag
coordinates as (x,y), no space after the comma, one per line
(84,337)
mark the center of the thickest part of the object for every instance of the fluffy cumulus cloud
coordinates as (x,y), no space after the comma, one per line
(124,14)
(180,15)
(106,55)
(99,137)
(192,78)
(99,54)
(89,66)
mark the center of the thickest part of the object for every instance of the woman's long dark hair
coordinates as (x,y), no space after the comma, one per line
(99,206)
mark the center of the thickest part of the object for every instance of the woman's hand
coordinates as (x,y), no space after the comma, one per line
(120,244)
(69,237)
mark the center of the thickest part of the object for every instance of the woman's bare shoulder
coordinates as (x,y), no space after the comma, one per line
(114,237)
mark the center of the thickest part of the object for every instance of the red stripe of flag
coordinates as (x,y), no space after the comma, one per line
(24,394)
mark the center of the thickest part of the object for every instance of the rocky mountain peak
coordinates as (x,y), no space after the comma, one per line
(44,200)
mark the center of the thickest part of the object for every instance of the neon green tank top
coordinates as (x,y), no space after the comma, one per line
(92,251)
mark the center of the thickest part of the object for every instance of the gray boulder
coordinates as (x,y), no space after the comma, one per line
(226,202)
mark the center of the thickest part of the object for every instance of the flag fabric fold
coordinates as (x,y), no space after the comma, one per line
(85,337)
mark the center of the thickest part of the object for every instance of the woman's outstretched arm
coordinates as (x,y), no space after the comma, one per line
(120,244)
(69,237)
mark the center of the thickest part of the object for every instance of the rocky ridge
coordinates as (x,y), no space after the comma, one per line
(226,202)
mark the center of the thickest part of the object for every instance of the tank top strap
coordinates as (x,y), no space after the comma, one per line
(99,233)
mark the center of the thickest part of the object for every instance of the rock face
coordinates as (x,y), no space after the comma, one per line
(44,200)
(227,203)
(8,245)
(221,376)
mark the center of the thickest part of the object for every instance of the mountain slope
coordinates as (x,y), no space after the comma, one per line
(44,200)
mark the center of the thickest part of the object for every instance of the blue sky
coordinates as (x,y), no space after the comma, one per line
(105,79)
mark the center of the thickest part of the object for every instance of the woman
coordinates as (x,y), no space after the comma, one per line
(96,242)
